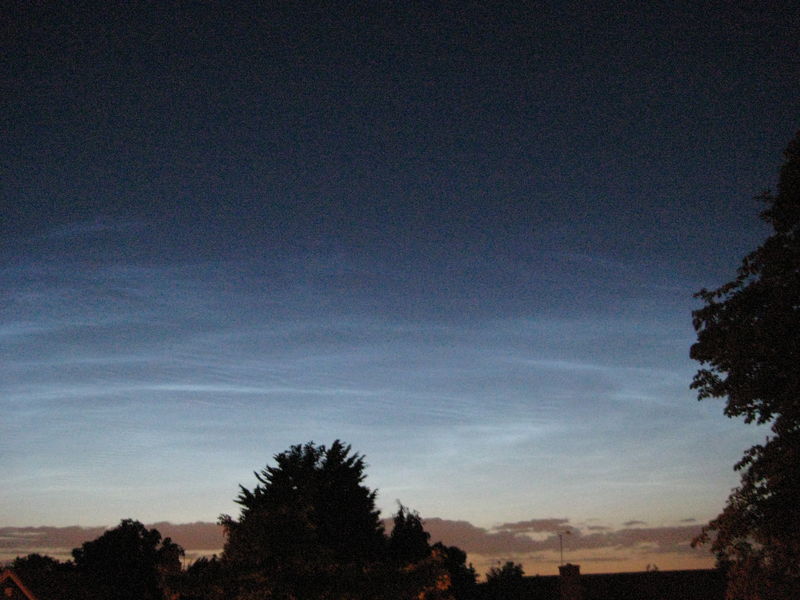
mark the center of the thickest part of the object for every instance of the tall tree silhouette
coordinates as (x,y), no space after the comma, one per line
(313,497)
(748,341)
(310,530)
(310,526)
(408,541)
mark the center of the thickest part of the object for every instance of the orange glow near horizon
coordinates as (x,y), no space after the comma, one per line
(605,560)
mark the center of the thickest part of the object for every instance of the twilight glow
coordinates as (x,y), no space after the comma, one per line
(465,244)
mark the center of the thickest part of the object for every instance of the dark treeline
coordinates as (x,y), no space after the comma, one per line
(129,561)
(308,530)
(748,343)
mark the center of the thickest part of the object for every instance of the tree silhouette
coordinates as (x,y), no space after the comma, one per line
(748,339)
(408,541)
(463,585)
(505,582)
(49,578)
(310,530)
(204,579)
(509,572)
(129,562)
(312,501)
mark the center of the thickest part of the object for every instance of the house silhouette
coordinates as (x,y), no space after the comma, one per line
(12,588)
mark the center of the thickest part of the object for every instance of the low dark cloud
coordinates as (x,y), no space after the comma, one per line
(207,538)
(193,536)
(470,538)
(689,520)
(30,539)
(535,526)
(479,540)
(18,541)
(656,539)
(632,523)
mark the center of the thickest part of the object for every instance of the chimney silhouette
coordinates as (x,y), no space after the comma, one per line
(570,582)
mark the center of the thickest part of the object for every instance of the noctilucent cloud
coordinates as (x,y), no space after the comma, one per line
(464,240)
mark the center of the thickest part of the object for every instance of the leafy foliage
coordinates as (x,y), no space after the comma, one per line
(506,581)
(310,529)
(748,339)
(427,571)
(463,578)
(311,505)
(204,579)
(129,562)
(49,578)
(510,572)
(408,541)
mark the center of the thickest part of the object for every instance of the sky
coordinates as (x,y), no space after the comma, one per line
(462,237)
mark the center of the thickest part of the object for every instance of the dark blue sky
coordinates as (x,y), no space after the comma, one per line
(462,236)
